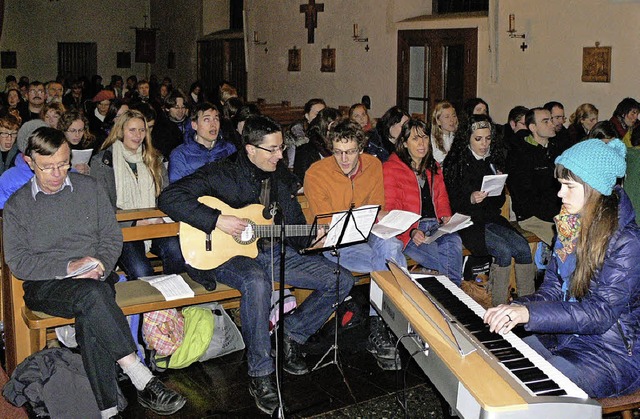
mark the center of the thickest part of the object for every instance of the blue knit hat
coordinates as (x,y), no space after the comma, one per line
(597,163)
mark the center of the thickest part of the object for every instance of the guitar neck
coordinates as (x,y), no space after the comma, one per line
(289,230)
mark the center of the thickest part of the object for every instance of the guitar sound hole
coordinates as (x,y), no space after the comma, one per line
(248,236)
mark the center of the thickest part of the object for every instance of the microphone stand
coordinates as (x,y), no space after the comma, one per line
(275,209)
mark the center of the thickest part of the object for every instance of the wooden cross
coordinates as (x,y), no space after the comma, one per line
(311,17)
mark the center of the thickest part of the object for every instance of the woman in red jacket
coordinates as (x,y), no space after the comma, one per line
(413,182)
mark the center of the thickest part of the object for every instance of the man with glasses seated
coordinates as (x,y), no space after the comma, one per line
(9,125)
(36,96)
(67,262)
(558,118)
(349,180)
(258,176)
(204,146)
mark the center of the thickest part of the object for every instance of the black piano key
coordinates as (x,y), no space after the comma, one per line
(518,364)
(499,344)
(529,375)
(543,386)
(485,336)
(507,354)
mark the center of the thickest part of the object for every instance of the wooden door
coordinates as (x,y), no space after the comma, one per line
(435,65)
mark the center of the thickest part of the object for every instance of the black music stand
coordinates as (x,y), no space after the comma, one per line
(343,232)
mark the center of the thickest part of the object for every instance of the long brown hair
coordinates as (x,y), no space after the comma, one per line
(599,220)
(150,155)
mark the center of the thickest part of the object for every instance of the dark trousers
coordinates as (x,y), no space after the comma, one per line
(135,264)
(102,330)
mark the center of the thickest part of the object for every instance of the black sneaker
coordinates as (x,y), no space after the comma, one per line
(294,362)
(263,390)
(381,342)
(160,399)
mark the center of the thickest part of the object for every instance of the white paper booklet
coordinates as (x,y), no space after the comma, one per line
(80,156)
(172,287)
(493,184)
(457,222)
(394,223)
(81,270)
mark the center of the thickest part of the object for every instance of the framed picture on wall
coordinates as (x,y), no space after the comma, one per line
(596,64)
(328,60)
(294,59)
(123,59)
(8,59)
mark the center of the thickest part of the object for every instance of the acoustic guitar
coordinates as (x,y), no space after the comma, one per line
(204,251)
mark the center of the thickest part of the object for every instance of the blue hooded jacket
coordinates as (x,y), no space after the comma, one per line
(191,155)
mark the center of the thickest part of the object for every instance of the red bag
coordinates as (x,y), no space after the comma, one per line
(163,330)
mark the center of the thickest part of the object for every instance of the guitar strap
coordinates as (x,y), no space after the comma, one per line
(265,192)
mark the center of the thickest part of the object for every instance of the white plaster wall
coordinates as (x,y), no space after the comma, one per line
(215,16)
(33,29)
(358,72)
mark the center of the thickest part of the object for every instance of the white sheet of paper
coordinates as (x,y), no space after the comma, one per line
(457,222)
(172,287)
(80,156)
(360,224)
(493,184)
(394,223)
(81,270)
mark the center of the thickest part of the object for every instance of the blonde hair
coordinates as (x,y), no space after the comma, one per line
(150,155)
(436,131)
(582,112)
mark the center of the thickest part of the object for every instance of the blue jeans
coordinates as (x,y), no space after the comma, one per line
(371,256)
(504,243)
(443,255)
(134,262)
(252,277)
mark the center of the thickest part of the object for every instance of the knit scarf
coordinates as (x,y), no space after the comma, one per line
(568,227)
(132,191)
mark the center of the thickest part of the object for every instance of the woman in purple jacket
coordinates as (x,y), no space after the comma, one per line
(586,315)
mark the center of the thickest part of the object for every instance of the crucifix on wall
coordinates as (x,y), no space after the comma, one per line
(311,18)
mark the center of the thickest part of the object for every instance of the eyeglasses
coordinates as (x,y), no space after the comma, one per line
(40,91)
(8,134)
(179,107)
(76,131)
(273,150)
(340,153)
(63,167)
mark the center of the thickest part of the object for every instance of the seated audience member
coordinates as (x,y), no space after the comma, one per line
(382,141)
(14,102)
(584,316)
(532,184)
(515,123)
(51,113)
(604,130)
(13,178)
(34,101)
(45,241)
(227,125)
(558,119)
(74,100)
(76,130)
(444,124)
(581,122)
(475,106)
(258,177)
(9,126)
(317,148)
(297,135)
(413,182)
(358,113)
(132,174)
(625,119)
(474,154)
(195,96)
(205,146)
(116,85)
(171,125)
(55,90)
(241,116)
(102,102)
(352,179)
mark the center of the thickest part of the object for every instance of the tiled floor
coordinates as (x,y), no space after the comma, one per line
(219,388)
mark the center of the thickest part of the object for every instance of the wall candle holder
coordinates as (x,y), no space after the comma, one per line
(358,38)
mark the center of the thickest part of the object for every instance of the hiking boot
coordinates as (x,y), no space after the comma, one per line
(381,342)
(293,362)
(160,399)
(263,390)
(389,364)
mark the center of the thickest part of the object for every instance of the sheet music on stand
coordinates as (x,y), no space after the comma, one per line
(347,228)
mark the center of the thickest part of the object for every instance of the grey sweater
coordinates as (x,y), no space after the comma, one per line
(42,235)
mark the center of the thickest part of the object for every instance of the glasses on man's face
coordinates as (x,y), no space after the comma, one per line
(340,153)
(4,134)
(273,150)
(76,131)
(62,167)
(36,91)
